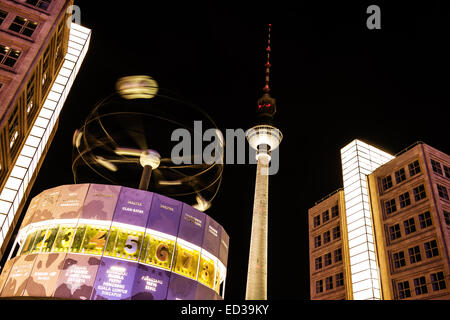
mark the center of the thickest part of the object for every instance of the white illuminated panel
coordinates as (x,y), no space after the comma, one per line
(358,160)
(17,183)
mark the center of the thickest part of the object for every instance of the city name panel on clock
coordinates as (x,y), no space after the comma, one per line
(105,242)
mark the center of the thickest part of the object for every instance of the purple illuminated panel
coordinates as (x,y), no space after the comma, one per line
(150,283)
(114,280)
(44,276)
(165,214)
(224,244)
(181,288)
(76,279)
(18,276)
(211,238)
(133,207)
(192,225)
(47,203)
(100,202)
(70,202)
(204,293)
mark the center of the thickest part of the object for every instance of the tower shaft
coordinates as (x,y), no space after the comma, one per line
(257,264)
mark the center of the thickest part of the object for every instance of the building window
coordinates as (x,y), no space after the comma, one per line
(431,249)
(46,76)
(334,211)
(436,167)
(319,286)
(404,200)
(447,171)
(339,279)
(3,15)
(420,286)
(23,26)
(414,168)
(400,175)
(394,232)
(326,237)
(41,4)
(316,221)
(390,206)
(325,216)
(419,192)
(425,220)
(386,182)
(13,126)
(327,259)
(447,217)
(437,281)
(317,242)
(399,260)
(442,190)
(8,56)
(409,225)
(403,290)
(414,254)
(337,255)
(329,282)
(336,233)
(318,263)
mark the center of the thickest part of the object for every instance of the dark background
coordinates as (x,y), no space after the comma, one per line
(334,81)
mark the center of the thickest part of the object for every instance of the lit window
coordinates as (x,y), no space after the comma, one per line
(394,232)
(3,15)
(340,279)
(414,168)
(13,126)
(431,249)
(419,192)
(335,211)
(386,182)
(404,200)
(326,237)
(414,254)
(436,167)
(400,175)
(403,290)
(329,282)
(447,217)
(437,281)
(318,263)
(316,221)
(425,220)
(317,242)
(336,233)
(8,56)
(390,206)
(23,26)
(442,190)
(41,4)
(337,255)
(409,225)
(447,171)
(420,286)
(399,259)
(325,216)
(327,259)
(319,286)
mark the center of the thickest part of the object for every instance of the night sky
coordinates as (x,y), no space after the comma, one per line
(334,81)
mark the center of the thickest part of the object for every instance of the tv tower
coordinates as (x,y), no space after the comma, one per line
(264,137)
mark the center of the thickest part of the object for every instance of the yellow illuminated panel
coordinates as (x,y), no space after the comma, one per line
(127,243)
(95,240)
(78,239)
(186,261)
(206,271)
(29,243)
(50,239)
(64,238)
(40,237)
(160,252)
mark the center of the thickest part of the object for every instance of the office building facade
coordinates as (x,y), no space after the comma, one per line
(396,221)
(40,54)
